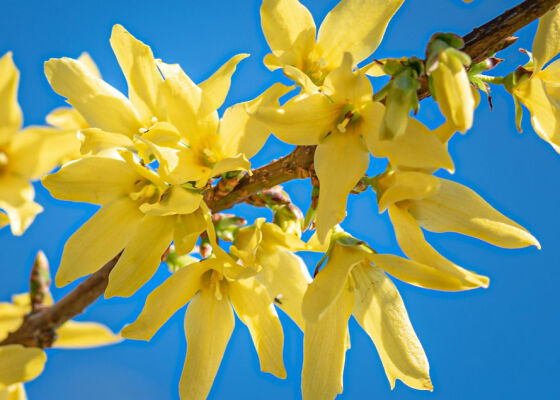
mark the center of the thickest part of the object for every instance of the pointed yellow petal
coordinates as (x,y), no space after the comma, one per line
(456,208)
(166,299)
(380,311)
(324,348)
(188,228)
(100,239)
(237,162)
(285,277)
(176,200)
(545,111)
(289,30)
(304,120)
(20,364)
(216,87)
(141,73)
(66,118)
(100,104)
(405,186)
(78,335)
(10,112)
(418,147)
(302,79)
(209,323)
(96,180)
(36,150)
(240,132)
(546,44)
(412,242)
(11,317)
(374,68)
(330,281)
(89,64)
(141,257)
(336,182)
(95,141)
(16,199)
(347,86)
(355,26)
(253,306)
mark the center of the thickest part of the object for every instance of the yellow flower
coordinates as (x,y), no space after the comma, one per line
(452,87)
(140,213)
(353,26)
(540,93)
(344,123)
(166,115)
(283,273)
(24,156)
(350,285)
(212,287)
(20,364)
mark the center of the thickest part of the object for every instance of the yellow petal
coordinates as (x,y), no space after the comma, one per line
(330,282)
(100,239)
(374,68)
(304,120)
(453,91)
(324,347)
(96,180)
(176,200)
(10,112)
(347,86)
(100,104)
(273,234)
(380,311)
(545,112)
(405,186)
(16,199)
(20,364)
(355,26)
(209,323)
(253,306)
(66,118)
(418,147)
(166,299)
(240,132)
(141,73)
(13,392)
(95,141)
(78,335)
(237,162)
(412,242)
(4,220)
(36,150)
(183,99)
(456,208)
(216,87)
(285,277)
(301,78)
(188,228)
(336,181)
(289,30)
(141,256)
(11,317)
(89,64)
(546,44)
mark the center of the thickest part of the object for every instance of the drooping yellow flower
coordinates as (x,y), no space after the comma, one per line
(20,364)
(24,156)
(344,122)
(166,115)
(212,287)
(350,285)
(283,273)
(452,88)
(140,213)
(540,93)
(353,26)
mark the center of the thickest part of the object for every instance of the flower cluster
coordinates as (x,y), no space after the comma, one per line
(152,159)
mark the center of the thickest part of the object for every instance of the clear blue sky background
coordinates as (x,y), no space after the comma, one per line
(499,343)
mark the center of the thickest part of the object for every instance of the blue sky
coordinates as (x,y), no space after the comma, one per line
(486,344)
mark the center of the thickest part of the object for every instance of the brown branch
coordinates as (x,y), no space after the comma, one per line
(479,44)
